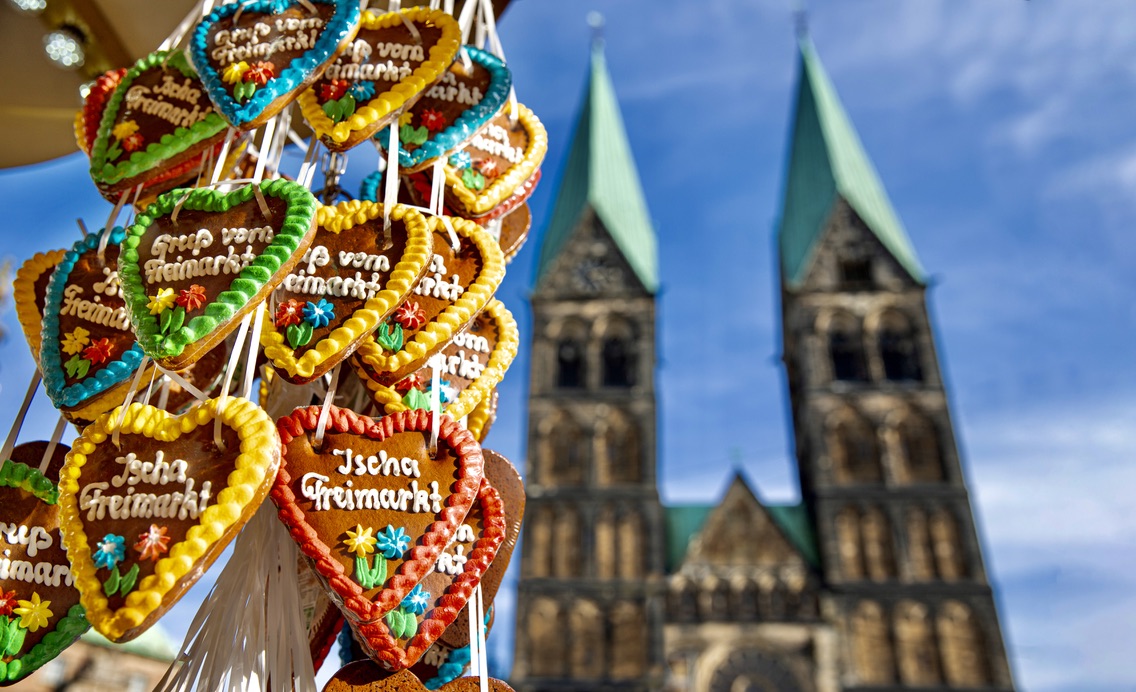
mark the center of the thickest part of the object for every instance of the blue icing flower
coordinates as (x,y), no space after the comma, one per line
(461,159)
(446,392)
(319,314)
(278,6)
(393,542)
(416,601)
(362,91)
(110,551)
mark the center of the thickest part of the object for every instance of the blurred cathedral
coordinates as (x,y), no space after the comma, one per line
(874,581)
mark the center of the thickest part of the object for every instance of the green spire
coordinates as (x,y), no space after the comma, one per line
(601,173)
(827,161)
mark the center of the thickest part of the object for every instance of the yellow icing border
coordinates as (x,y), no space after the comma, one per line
(441,55)
(477,419)
(442,328)
(81,133)
(508,341)
(254,469)
(23,295)
(402,279)
(506,185)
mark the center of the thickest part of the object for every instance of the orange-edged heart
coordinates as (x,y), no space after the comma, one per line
(347,283)
(196,262)
(144,515)
(393,59)
(406,632)
(29,293)
(321,616)
(456,288)
(371,508)
(368,676)
(40,615)
(470,366)
(495,162)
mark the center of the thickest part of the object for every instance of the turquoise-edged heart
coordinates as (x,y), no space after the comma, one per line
(87,347)
(254,57)
(189,277)
(453,110)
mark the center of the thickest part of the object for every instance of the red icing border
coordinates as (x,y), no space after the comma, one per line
(95,104)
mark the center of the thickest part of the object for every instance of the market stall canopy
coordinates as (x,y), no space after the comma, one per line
(40,97)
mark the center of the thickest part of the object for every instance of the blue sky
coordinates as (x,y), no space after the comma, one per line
(1002,130)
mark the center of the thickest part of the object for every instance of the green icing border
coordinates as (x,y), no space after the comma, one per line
(14,474)
(169,145)
(298,222)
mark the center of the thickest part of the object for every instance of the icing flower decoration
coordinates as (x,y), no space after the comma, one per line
(7,602)
(362,91)
(473,180)
(133,143)
(288,313)
(75,341)
(260,73)
(162,301)
(110,551)
(460,159)
(415,380)
(191,298)
(433,120)
(446,392)
(410,315)
(361,541)
(393,542)
(34,613)
(488,168)
(319,314)
(406,118)
(124,129)
(153,543)
(333,89)
(98,352)
(416,601)
(235,73)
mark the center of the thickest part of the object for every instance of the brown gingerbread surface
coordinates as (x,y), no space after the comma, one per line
(458,90)
(464,359)
(367,676)
(514,230)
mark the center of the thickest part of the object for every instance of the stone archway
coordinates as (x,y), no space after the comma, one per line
(753,671)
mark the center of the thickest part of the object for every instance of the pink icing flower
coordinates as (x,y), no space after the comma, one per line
(153,543)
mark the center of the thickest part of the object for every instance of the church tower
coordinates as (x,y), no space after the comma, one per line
(879,465)
(590,603)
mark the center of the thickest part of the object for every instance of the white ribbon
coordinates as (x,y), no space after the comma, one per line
(50,451)
(10,443)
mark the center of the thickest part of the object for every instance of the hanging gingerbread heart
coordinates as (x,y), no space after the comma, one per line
(87,352)
(371,508)
(29,293)
(482,417)
(470,366)
(196,262)
(255,57)
(442,664)
(391,62)
(347,283)
(406,632)
(512,230)
(495,162)
(321,617)
(368,676)
(470,93)
(155,127)
(94,104)
(40,615)
(457,287)
(144,515)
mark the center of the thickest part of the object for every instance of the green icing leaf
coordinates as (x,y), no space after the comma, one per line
(390,337)
(396,621)
(299,334)
(331,110)
(417,399)
(128,581)
(5,636)
(113,151)
(370,577)
(16,636)
(110,586)
(473,180)
(244,90)
(346,107)
(77,367)
(409,624)
(408,134)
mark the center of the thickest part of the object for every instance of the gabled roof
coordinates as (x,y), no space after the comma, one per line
(601,173)
(827,161)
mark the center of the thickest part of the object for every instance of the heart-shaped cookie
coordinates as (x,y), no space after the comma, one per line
(142,522)
(406,632)
(157,121)
(29,293)
(512,230)
(472,365)
(482,417)
(87,351)
(391,61)
(368,676)
(196,262)
(371,508)
(94,104)
(495,162)
(469,94)
(321,616)
(346,284)
(255,57)
(456,288)
(40,615)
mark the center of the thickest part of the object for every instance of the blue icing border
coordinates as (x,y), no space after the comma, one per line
(369,188)
(51,361)
(342,23)
(469,122)
(455,664)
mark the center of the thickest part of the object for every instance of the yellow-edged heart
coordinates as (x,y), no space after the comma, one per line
(247,484)
(29,292)
(482,417)
(332,348)
(483,145)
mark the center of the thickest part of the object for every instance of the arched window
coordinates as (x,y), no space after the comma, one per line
(587,637)
(630,547)
(628,641)
(854,452)
(622,453)
(945,542)
(546,639)
(964,660)
(846,349)
(538,543)
(566,557)
(565,451)
(618,362)
(919,446)
(898,352)
(878,555)
(915,645)
(920,564)
(871,646)
(848,536)
(605,544)
(571,372)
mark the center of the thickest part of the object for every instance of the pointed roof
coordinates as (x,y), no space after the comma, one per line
(601,172)
(828,161)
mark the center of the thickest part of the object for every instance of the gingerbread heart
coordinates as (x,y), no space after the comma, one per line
(94,104)
(371,508)
(321,617)
(29,293)
(482,417)
(442,664)
(157,121)
(87,351)
(457,287)
(496,161)
(40,615)
(368,676)
(512,230)
(390,63)
(469,94)
(471,365)
(196,262)
(344,287)
(255,57)
(144,520)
